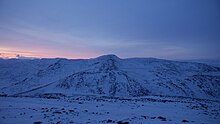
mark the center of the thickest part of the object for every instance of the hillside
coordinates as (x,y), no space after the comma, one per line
(109,75)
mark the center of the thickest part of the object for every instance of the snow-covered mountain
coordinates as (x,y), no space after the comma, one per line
(109,75)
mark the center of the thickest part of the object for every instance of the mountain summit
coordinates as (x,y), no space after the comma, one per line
(108,56)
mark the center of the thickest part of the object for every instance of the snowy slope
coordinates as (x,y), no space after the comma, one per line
(110,76)
(102,110)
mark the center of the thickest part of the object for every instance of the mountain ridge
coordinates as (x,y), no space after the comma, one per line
(112,76)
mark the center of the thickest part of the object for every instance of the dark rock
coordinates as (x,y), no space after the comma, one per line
(59,122)
(145,117)
(109,121)
(37,122)
(152,117)
(185,121)
(57,112)
(120,122)
(71,110)
(162,118)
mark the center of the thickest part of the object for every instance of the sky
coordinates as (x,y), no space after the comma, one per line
(168,29)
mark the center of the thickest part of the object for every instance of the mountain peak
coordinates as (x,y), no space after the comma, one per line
(109,56)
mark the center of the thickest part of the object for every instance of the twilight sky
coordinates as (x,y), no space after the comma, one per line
(170,29)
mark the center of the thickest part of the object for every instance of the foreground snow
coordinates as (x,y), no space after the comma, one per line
(97,109)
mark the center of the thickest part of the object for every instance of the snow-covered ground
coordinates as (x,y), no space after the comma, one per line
(108,89)
(97,109)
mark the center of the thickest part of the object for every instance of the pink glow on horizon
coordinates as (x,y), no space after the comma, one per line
(14,53)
